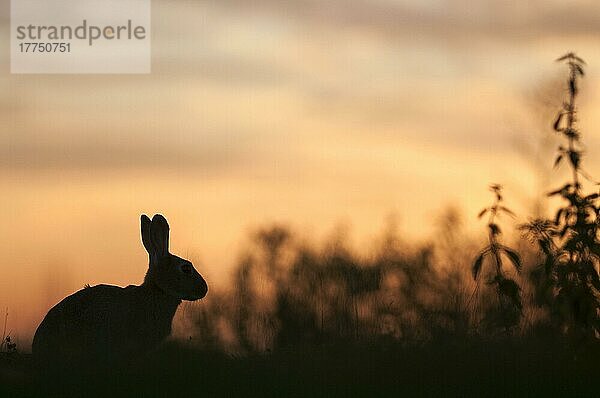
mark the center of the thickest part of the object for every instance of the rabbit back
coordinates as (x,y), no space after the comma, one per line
(104,323)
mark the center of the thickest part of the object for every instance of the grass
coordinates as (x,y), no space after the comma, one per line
(505,367)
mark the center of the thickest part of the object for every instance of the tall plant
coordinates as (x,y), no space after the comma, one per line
(509,292)
(567,281)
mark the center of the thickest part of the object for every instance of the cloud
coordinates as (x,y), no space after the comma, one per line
(446,20)
(109,155)
(235,82)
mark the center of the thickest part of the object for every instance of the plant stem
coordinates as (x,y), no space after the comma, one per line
(570,125)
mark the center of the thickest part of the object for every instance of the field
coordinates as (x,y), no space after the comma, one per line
(449,368)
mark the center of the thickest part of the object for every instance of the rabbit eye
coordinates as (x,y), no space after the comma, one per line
(186,269)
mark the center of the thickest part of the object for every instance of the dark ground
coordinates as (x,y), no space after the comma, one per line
(503,367)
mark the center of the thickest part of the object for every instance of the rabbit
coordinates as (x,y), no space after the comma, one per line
(107,324)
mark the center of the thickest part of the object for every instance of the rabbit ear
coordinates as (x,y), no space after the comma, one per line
(146,238)
(159,232)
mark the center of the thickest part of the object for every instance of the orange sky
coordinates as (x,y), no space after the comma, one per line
(303,112)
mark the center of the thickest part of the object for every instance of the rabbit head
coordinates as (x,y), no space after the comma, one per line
(173,275)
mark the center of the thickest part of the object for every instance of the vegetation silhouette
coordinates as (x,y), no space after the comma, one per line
(509,293)
(7,345)
(306,319)
(567,279)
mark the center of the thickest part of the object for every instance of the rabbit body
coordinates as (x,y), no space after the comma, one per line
(108,324)
(105,323)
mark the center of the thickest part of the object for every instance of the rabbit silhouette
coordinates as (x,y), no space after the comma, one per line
(107,324)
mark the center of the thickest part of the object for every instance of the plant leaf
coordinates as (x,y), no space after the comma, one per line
(507,211)
(560,190)
(514,257)
(556,125)
(574,157)
(476,268)
(559,214)
(511,290)
(567,55)
(557,161)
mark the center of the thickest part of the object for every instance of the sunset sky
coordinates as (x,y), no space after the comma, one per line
(303,112)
